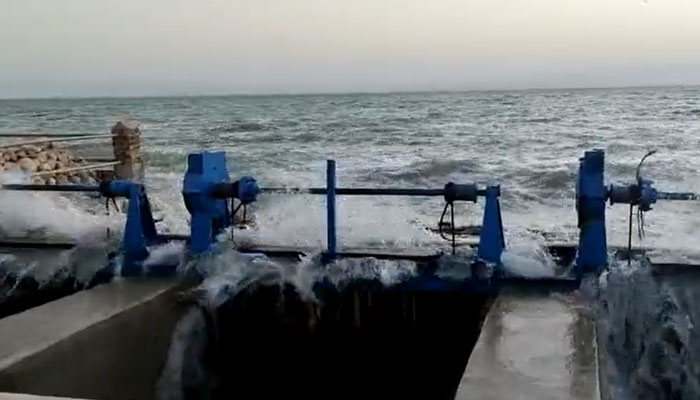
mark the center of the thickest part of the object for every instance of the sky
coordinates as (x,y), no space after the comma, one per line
(186,47)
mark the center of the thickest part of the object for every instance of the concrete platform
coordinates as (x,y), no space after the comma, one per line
(533,347)
(20,396)
(109,342)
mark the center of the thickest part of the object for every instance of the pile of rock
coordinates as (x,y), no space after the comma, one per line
(45,163)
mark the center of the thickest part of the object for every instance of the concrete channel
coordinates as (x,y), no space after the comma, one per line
(110,342)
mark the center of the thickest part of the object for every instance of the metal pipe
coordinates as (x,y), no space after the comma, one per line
(677,196)
(77,168)
(330,207)
(363,191)
(52,188)
(46,140)
(45,135)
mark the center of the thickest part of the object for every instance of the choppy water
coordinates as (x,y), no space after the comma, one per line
(528,141)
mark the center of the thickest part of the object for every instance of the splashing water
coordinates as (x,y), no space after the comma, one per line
(528,257)
(44,215)
(648,332)
(301,221)
(227,272)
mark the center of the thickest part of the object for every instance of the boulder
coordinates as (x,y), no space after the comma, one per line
(27,164)
(10,166)
(51,181)
(41,157)
(64,158)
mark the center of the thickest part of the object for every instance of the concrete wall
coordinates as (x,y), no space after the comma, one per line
(109,342)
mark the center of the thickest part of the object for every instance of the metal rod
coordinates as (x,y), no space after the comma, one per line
(452,225)
(629,238)
(67,139)
(44,135)
(330,207)
(52,188)
(79,168)
(360,191)
(677,196)
(99,159)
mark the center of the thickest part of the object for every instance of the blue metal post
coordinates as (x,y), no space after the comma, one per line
(330,207)
(591,195)
(491,240)
(204,171)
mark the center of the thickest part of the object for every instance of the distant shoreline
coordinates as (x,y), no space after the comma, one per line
(339,93)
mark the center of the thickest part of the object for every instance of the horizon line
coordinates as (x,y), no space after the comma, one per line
(342,93)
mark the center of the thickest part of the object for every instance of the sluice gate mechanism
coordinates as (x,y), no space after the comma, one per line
(357,337)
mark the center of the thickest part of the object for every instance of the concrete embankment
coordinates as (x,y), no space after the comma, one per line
(109,342)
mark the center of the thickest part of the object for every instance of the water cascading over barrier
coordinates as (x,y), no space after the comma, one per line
(358,336)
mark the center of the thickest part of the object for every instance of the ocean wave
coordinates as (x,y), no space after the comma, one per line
(165,159)
(693,111)
(422,170)
(556,179)
(239,126)
(541,120)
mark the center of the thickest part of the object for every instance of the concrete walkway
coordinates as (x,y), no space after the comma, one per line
(20,396)
(90,344)
(533,347)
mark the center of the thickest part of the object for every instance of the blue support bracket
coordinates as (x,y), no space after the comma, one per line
(491,239)
(140,230)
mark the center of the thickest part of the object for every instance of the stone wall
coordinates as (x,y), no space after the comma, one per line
(45,163)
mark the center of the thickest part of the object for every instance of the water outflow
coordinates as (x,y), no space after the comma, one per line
(647,328)
(306,315)
(226,272)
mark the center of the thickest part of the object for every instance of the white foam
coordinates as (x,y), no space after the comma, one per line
(32,214)
(301,221)
(528,258)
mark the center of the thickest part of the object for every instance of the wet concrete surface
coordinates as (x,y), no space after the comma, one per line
(533,347)
(88,344)
(20,396)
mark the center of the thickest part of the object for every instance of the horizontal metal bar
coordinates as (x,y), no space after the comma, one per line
(46,140)
(174,237)
(100,159)
(677,196)
(45,135)
(20,243)
(358,191)
(78,168)
(52,188)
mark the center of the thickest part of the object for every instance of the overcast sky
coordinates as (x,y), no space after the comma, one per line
(174,47)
